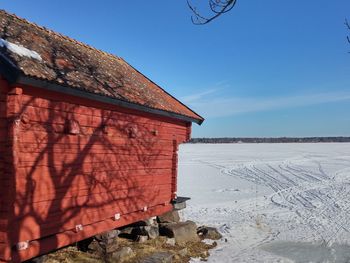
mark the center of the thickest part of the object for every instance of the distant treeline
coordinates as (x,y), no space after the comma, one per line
(270,140)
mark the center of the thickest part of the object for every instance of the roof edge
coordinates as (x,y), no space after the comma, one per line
(7,69)
(25,80)
(158,86)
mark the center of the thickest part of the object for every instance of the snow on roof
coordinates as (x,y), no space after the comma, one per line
(19,50)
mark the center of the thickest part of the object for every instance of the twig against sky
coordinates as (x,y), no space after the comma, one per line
(348,26)
(217,8)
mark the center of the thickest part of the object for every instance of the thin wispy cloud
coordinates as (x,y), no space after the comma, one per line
(201,95)
(211,106)
(198,96)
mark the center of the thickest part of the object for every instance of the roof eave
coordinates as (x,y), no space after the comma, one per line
(25,80)
(14,76)
(8,69)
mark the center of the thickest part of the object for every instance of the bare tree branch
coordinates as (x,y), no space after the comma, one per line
(348,26)
(217,7)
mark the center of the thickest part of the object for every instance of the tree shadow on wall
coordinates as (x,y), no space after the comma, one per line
(79,165)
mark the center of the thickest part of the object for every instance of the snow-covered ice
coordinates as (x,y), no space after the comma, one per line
(272,202)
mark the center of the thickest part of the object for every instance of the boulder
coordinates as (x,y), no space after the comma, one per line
(102,248)
(206,232)
(125,230)
(105,243)
(170,241)
(179,206)
(183,232)
(151,231)
(159,257)
(121,255)
(147,227)
(107,237)
(110,247)
(169,217)
(151,221)
(96,248)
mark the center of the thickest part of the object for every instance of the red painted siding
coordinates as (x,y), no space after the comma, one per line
(4,182)
(78,162)
(8,161)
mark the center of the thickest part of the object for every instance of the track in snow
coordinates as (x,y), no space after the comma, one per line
(315,188)
(316,197)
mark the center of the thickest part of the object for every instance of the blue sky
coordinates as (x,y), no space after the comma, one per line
(267,68)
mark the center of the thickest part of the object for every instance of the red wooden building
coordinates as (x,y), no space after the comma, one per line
(87,142)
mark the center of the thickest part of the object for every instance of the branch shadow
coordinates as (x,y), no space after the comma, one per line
(67,177)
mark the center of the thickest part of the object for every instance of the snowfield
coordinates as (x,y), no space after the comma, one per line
(271,202)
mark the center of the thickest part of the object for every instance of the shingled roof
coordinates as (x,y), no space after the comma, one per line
(30,54)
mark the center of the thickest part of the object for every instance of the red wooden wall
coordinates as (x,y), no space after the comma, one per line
(79,162)
(4,182)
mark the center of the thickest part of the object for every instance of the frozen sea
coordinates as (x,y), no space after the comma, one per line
(272,202)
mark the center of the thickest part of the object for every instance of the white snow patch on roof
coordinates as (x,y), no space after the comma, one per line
(19,50)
